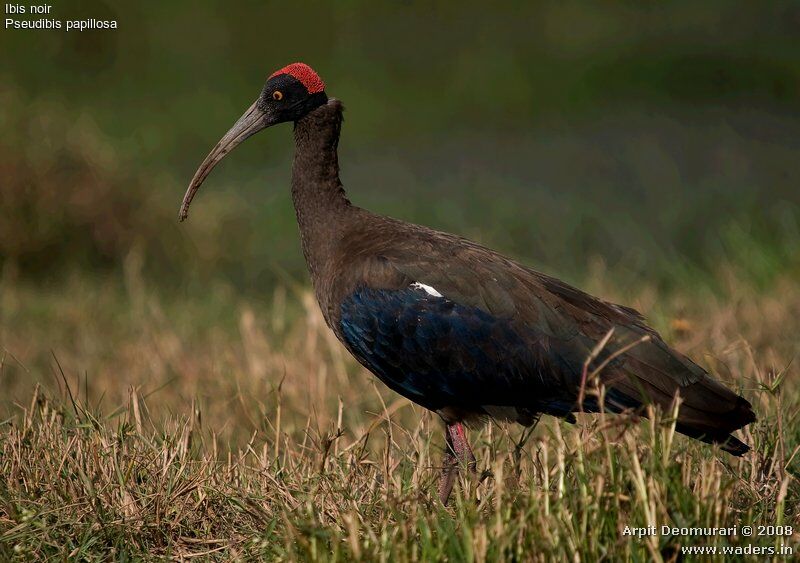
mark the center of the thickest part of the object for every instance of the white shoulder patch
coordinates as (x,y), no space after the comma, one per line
(426,288)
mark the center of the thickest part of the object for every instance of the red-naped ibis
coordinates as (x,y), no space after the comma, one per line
(454,326)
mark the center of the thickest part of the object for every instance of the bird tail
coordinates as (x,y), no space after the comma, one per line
(716,427)
(708,411)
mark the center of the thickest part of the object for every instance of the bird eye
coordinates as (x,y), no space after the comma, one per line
(277,95)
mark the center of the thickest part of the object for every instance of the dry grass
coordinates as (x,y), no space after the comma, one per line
(145,427)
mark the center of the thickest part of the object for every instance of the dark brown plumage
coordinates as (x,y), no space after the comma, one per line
(461,329)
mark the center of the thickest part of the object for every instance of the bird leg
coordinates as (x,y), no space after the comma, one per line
(457,453)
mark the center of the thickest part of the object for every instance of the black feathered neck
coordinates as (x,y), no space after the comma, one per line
(319,198)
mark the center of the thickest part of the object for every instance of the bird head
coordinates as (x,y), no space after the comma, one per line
(289,94)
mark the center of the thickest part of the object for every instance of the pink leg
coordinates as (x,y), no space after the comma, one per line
(457,452)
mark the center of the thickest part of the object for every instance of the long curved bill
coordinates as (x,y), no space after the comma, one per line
(253,121)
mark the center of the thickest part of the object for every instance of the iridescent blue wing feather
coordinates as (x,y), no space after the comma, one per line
(439,353)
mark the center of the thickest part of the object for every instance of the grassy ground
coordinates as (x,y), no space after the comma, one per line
(139,426)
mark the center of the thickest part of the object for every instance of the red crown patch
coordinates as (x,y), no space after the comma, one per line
(305,74)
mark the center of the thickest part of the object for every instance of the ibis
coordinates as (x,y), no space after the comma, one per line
(456,327)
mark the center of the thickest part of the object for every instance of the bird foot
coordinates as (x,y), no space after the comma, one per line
(457,454)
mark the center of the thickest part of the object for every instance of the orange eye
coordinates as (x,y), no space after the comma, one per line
(277,95)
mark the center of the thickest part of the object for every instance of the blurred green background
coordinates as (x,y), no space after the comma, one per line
(660,140)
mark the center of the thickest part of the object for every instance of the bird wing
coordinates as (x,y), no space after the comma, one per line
(443,354)
(450,320)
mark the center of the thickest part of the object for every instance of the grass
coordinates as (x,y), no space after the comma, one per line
(140,427)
